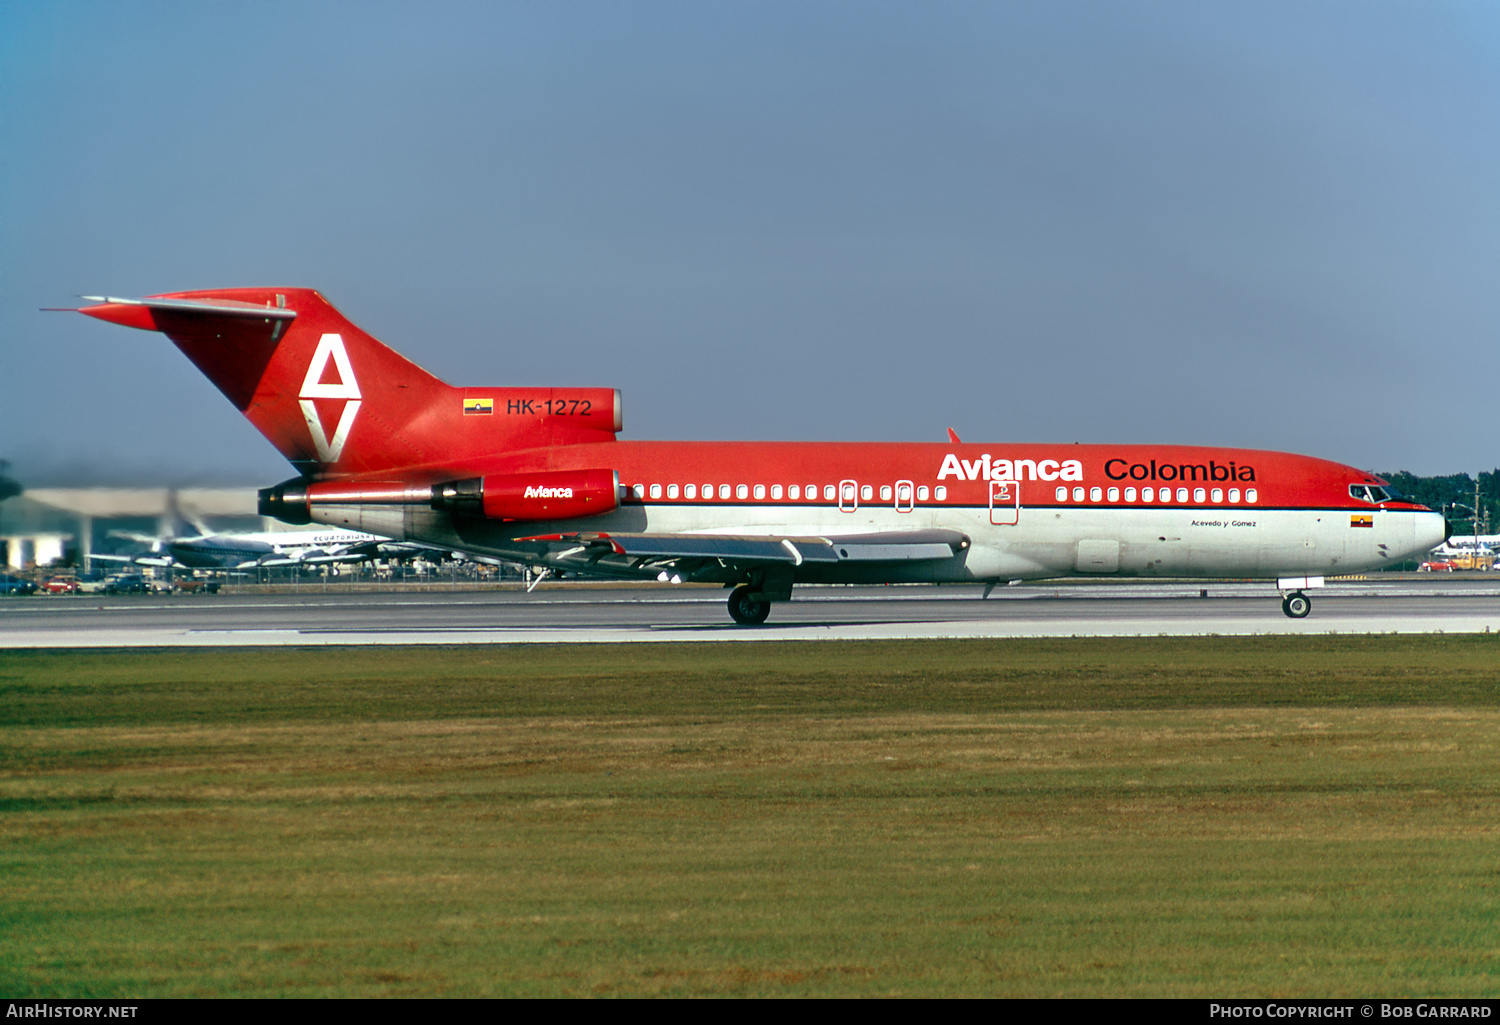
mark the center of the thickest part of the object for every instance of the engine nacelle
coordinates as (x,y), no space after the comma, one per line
(293,501)
(544,495)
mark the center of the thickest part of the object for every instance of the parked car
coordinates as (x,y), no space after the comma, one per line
(1438,566)
(125,583)
(15,585)
(91,582)
(198,586)
(59,585)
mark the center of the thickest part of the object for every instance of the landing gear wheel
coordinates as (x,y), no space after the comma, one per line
(1297,605)
(745,610)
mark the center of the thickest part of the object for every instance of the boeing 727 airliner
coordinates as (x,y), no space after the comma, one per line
(538,476)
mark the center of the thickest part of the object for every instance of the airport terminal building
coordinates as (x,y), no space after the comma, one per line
(44,526)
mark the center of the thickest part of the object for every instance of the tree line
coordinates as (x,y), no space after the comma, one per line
(1453,495)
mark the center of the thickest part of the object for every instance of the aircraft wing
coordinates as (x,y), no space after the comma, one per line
(635,555)
(138,560)
(883,547)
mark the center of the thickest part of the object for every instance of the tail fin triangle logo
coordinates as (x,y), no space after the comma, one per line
(330,347)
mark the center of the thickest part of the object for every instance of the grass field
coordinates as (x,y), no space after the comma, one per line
(1138,817)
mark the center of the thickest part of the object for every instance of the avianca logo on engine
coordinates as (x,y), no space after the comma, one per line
(314,387)
(533,492)
(985,468)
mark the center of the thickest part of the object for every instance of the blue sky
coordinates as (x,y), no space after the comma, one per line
(1273,225)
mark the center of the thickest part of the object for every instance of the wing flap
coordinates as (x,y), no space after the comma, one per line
(892,552)
(694,546)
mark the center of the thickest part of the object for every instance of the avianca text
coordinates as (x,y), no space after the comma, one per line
(986,468)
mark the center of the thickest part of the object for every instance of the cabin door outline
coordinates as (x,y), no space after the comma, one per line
(1005,502)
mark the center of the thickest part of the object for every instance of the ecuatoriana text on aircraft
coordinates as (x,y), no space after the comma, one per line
(380,445)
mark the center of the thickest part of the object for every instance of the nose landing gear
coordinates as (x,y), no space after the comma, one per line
(1296,605)
(1293,602)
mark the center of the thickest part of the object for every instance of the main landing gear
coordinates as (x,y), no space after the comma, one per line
(746,610)
(1297,605)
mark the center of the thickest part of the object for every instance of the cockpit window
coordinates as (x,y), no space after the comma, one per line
(1370,493)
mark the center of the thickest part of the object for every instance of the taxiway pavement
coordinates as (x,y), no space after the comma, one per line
(581,613)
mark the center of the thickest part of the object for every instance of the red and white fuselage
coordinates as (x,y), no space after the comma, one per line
(1030,511)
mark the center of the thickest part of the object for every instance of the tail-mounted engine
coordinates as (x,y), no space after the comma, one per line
(552,495)
(544,495)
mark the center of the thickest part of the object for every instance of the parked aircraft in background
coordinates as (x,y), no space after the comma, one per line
(536,475)
(269,549)
(1466,552)
(186,542)
(1472,542)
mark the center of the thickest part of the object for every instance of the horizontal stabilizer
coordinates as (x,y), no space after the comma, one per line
(223,307)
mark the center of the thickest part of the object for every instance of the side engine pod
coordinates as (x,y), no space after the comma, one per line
(545,495)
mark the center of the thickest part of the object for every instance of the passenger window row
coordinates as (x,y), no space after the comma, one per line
(902,493)
(1215,496)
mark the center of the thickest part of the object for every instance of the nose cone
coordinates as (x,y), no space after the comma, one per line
(1430,530)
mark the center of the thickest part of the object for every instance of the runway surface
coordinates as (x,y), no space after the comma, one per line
(583,613)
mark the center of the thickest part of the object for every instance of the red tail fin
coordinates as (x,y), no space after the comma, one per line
(335,401)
